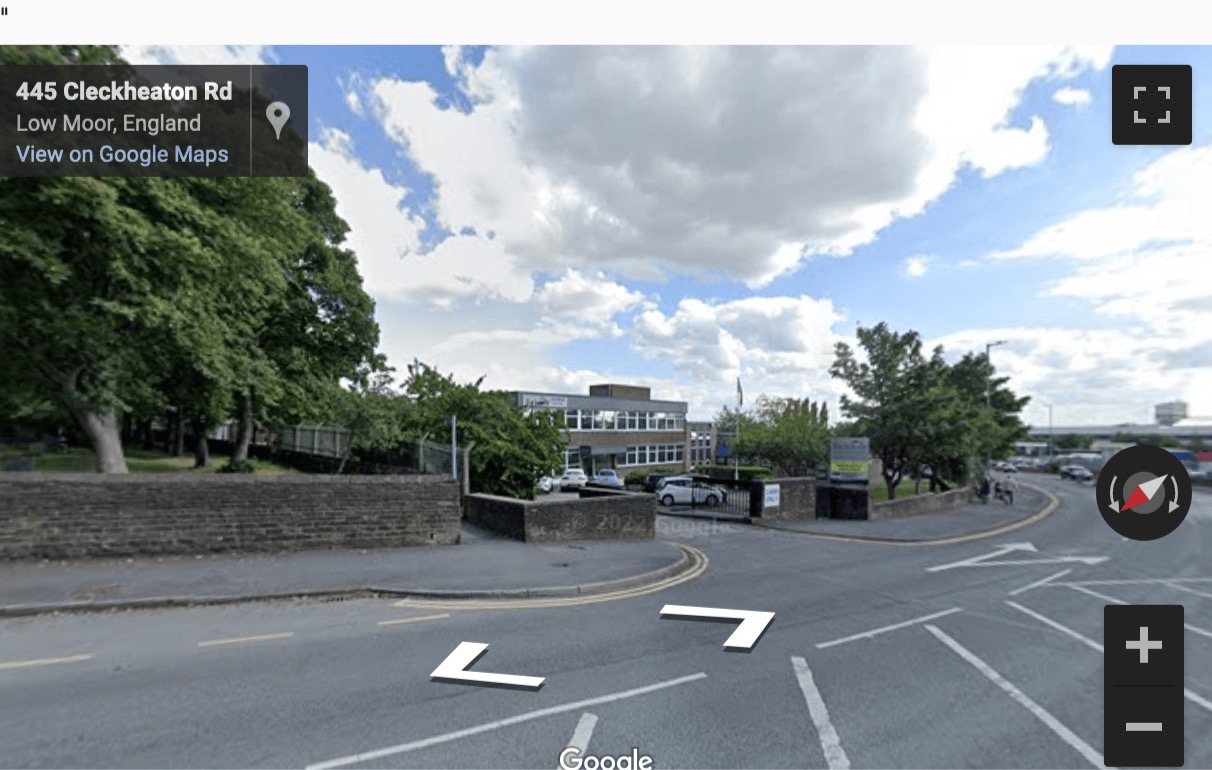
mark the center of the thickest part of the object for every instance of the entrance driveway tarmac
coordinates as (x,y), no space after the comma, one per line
(979,654)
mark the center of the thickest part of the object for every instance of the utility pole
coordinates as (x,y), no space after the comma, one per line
(989,399)
(454,447)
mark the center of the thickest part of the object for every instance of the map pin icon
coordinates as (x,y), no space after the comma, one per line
(277,113)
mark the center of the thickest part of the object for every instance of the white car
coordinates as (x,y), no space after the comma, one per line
(545,484)
(573,479)
(608,478)
(683,490)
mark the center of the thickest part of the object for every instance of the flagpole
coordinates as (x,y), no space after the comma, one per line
(736,455)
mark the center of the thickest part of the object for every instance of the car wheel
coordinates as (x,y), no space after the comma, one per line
(667,501)
(712,501)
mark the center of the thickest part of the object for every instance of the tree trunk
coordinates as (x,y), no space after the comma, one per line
(201,446)
(103,431)
(179,435)
(890,483)
(239,452)
(145,434)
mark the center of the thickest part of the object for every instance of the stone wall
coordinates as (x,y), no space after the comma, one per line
(61,516)
(797,500)
(597,514)
(926,502)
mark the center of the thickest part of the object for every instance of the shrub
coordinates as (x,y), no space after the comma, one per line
(745,472)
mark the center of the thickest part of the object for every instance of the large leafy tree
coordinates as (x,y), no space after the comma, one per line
(887,383)
(183,296)
(791,434)
(513,446)
(922,415)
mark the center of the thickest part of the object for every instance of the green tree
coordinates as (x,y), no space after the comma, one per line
(887,382)
(998,426)
(513,446)
(789,433)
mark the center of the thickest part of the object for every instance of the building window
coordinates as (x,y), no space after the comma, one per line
(572,419)
(608,419)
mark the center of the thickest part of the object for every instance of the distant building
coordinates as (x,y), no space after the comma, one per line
(618,426)
(702,443)
(1170,413)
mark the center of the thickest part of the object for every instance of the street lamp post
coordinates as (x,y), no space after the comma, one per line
(1051,438)
(989,398)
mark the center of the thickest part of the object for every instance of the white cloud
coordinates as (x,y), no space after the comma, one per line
(783,345)
(195,54)
(696,184)
(916,267)
(1071,96)
(1143,262)
(576,295)
(387,239)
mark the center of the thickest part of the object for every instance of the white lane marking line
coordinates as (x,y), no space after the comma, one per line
(402,621)
(835,755)
(489,726)
(1178,587)
(584,731)
(1038,711)
(1195,698)
(1039,583)
(872,633)
(1138,581)
(1050,622)
(1095,594)
(42,662)
(1143,727)
(1112,600)
(242,639)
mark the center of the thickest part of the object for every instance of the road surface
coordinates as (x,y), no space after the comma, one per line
(978,654)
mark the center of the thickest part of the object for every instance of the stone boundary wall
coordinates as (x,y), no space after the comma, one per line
(598,514)
(926,502)
(68,516)
(797,500)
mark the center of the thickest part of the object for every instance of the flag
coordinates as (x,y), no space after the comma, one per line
(740,396)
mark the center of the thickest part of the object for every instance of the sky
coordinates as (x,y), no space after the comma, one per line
(677,217)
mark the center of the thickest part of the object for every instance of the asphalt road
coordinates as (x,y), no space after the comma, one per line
(878,656)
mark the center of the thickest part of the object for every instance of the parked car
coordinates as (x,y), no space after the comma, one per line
(1005,467)
(1076,472)
(545,484)
(653,480)
(684,490)
(608,478)
(573,479)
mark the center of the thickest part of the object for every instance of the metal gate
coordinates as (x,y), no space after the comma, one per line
(705,495)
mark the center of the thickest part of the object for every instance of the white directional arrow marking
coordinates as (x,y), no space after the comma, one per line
(1001,550)
(753,623)
(454,669)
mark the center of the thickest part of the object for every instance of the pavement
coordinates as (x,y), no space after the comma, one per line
(962,522)
(482,566)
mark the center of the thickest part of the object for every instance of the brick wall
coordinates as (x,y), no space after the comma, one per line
(60,516)
(926,502)
(797,499)
(596,515)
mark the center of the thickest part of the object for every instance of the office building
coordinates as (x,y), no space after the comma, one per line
(618,426)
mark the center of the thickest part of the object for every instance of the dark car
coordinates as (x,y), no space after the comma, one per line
(653,480)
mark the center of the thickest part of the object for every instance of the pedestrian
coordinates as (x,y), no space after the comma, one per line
(1008,490)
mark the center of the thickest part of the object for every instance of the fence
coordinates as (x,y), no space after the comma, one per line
(314,439)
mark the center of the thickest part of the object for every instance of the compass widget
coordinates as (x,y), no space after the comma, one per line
(1143,492)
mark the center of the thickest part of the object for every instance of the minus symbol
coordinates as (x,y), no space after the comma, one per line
(1144,727)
